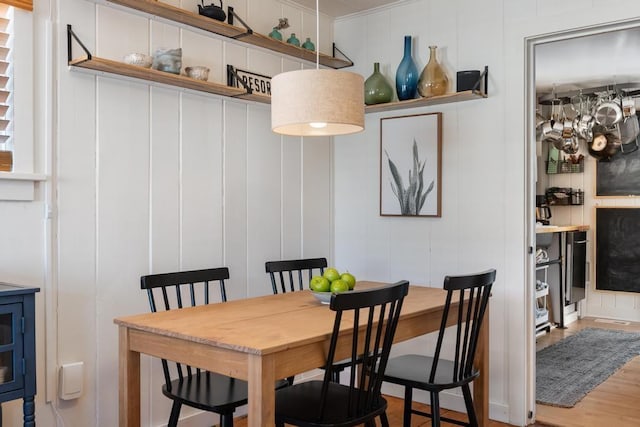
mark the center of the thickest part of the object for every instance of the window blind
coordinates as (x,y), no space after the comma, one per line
(22,4)
(5,87)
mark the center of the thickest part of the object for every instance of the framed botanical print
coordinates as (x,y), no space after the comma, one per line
(410,165)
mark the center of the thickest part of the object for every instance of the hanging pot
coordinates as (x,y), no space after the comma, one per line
(609,113)
(583,125)
(605,143)
(628,107)
(567,145)
(552,132)
(628,129)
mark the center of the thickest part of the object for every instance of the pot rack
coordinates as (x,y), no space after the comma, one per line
(631,89)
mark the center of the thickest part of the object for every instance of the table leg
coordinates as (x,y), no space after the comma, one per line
(29,412)
(262,397)
(481,384)
(129,380)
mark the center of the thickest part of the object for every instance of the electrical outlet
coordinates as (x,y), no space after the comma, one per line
(71,378)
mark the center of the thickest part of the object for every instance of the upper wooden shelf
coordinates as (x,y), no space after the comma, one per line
(115,67)
(424,102)
(192,19)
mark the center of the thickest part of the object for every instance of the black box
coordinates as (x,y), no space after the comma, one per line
(466,80)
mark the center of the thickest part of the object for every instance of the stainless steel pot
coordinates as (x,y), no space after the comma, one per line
(583,126)
(609,113)
(552,131)
(628,129)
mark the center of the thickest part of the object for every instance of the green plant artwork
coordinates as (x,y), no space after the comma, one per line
(412,197)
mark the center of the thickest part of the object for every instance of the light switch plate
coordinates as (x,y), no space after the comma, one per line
(71,376)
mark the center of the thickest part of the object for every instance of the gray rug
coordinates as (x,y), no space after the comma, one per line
(567,370)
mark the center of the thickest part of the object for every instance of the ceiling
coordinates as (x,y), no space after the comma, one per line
(608,58)
(337,8)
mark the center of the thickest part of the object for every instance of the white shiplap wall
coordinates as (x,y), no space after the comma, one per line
(156,179)
(127,205)
(485,221)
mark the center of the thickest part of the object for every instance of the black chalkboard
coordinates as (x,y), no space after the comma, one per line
(619,176)
(618,249)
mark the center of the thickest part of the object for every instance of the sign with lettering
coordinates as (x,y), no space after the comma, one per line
(252,82)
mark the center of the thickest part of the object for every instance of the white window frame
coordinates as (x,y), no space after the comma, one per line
(19,184)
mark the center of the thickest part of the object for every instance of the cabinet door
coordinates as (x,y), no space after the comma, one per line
(11,357)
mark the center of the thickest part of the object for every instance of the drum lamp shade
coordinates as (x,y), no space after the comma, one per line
(317,102)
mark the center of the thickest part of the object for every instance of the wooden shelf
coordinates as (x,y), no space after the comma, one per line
(424,102)
(149,74)
(192,19)
(120,68)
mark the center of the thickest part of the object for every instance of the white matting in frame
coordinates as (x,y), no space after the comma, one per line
(410,165)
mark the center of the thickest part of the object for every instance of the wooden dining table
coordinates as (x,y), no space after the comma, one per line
(265,338)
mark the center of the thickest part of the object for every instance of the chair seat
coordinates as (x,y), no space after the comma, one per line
(211,392)
(413,370)
(300,403)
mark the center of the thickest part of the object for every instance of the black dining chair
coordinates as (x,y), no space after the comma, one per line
(365,323)
(435,374)
(194,387)
(295,274)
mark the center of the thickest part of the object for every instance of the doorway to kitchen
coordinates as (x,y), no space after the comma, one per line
(569,77)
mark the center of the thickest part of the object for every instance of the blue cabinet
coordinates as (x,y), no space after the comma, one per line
(18,348)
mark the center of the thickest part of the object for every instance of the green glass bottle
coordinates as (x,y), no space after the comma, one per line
(308,44)
(377,89)
(275,34)
(293,40)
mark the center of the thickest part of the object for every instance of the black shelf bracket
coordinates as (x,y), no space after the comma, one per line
(233,77)
(335,49)
(231,14)
(484,75)
(73,36)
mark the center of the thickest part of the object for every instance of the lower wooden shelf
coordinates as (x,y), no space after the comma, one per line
(149,74)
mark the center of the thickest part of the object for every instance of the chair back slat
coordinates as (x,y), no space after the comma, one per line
(483,300)
(379,310)
(195,285)
(289,275)
(473,293)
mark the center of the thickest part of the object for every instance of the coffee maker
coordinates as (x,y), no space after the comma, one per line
(543,212)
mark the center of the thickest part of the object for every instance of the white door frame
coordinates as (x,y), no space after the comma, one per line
(530,181)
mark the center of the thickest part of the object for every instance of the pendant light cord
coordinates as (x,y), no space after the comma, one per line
(317,35)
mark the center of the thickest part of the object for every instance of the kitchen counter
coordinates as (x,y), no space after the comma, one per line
(559,228)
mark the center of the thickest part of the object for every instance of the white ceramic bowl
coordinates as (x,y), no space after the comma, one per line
(323,297)
(198,72)
(139,59)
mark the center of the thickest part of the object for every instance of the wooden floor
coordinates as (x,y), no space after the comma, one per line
(614,403)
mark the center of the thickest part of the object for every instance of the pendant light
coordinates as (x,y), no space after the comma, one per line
(317,102)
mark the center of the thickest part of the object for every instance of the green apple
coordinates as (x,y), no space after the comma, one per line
(331,274)
(350,279)
(319,284)
(338,286)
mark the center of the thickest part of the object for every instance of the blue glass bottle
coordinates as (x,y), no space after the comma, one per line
(407,74)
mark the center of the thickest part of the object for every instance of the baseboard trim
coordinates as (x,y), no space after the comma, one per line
(449,400)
